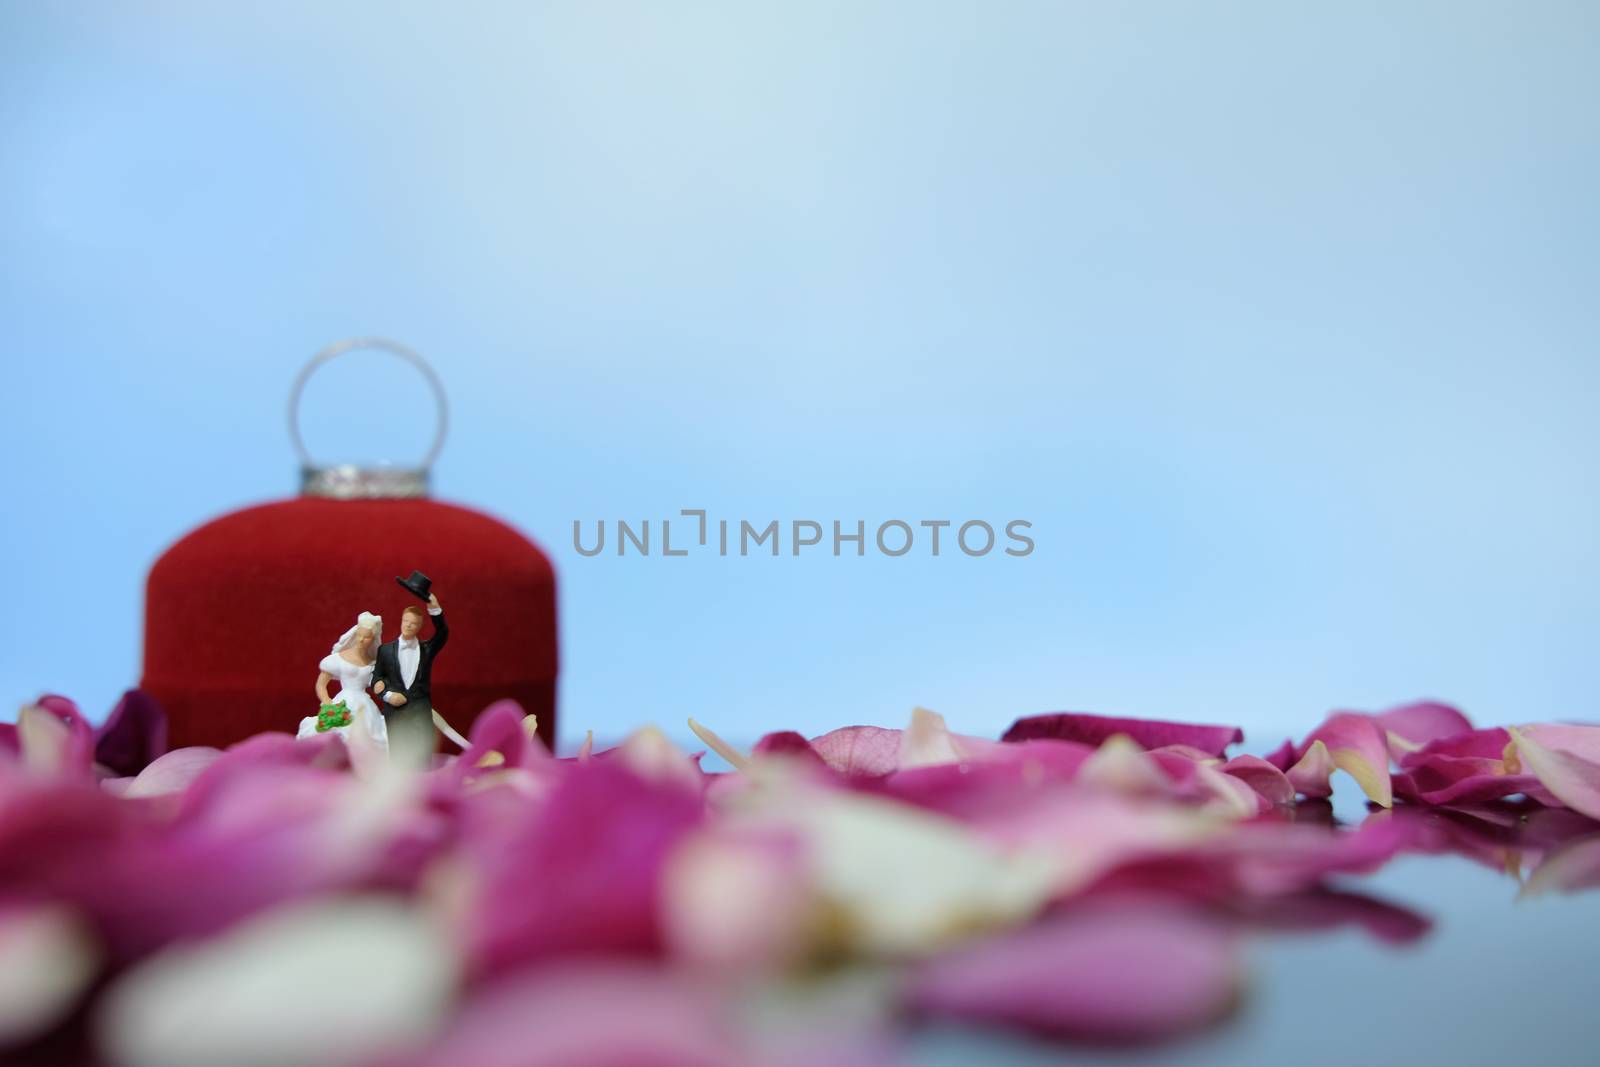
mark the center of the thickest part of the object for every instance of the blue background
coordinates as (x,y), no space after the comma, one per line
(1278,321)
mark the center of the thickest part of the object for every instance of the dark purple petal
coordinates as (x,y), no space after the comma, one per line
(1103,973)
(1149,733)
(133,735)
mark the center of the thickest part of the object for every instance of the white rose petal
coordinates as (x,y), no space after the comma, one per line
(327,983)
(47,960)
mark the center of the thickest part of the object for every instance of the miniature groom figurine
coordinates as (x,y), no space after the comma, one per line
(402,676)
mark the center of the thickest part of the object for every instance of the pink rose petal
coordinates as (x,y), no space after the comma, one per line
(1357,746)
(1195,776)
(651,755)
(265,751)
(1284,756)
(1574,867)
(167,775)
(497,739)
(1263,858)
(1270,783)
(1148,733)
(1228,794)
(1465,769)
(579,872)
(864,753)
(634,852)
(1119,764)
(48,961)
(261,824)
(1321,908)
(1411,726)
(738,899)
(1486,744)
(1188,752)
(1310,774)
(64,709)
(860,751)
(1093,833)
(786,743)
(1502,837)
(1104,973)
(1566,759)
(1270,856)
(56,738)
(928,742)
(1427,784)
(599,1013)
(1004,776)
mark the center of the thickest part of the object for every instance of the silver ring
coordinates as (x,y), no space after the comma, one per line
(355,344)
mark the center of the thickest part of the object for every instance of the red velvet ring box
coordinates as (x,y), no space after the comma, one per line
(240,612)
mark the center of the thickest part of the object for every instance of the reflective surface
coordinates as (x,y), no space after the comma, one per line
(1506,972)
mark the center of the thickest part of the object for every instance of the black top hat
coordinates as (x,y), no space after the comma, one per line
(417,585)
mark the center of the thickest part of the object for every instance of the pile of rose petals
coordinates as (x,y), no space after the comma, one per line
(1084,878)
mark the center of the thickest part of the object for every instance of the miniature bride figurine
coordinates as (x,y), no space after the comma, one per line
(350,662)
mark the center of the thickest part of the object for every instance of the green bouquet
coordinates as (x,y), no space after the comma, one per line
(331,716)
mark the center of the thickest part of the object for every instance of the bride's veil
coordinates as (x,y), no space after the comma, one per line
(366,618)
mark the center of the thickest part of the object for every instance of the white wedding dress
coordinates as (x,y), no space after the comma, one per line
(353,680)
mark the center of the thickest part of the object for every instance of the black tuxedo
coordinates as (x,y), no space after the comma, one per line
(411,724)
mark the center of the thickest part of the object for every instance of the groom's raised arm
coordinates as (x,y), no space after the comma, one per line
(441,629)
